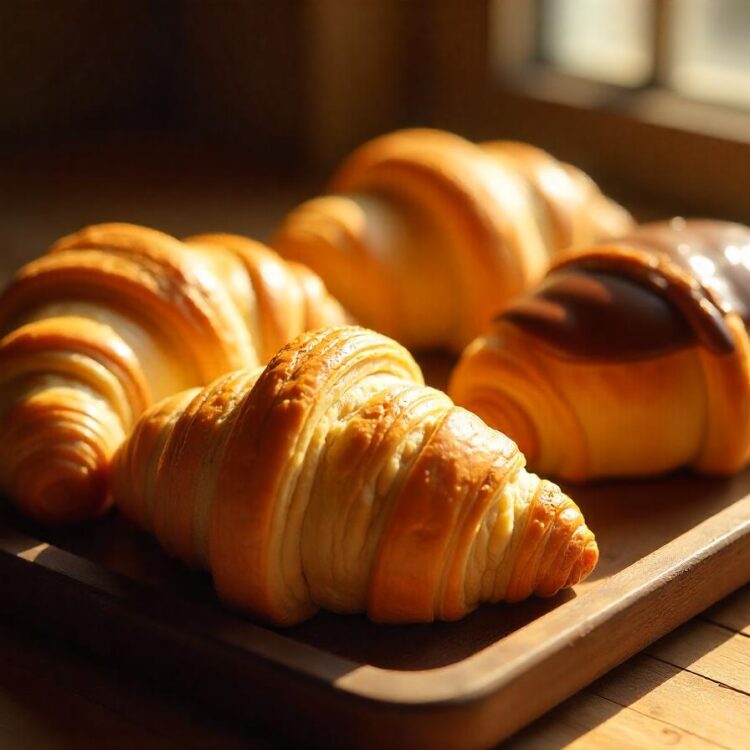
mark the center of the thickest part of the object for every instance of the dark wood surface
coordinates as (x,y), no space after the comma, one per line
(691,689)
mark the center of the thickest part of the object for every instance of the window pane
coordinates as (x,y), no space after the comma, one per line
(607,40)
(711,49)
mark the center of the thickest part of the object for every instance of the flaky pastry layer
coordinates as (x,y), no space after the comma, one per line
(425,236)
(114,317)
(629,359)
(336,479)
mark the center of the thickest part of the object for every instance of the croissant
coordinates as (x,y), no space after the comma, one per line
(114,317)
(425,236)
(336,479)
(629,359)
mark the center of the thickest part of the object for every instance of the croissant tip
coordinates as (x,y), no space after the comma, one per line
(586,564)
(64,494)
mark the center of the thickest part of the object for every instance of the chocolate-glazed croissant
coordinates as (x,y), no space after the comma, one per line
(113,317)
(335,479)
(629,359)
(425,236)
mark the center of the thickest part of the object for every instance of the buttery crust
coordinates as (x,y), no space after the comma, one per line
(335,479)
(113,317)
(629,359)
(425,236)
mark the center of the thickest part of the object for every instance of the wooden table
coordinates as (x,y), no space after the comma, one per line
(690,689)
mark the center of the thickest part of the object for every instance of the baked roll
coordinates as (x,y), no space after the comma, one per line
(113,317)
(424,236)
(336,479)
(629,359)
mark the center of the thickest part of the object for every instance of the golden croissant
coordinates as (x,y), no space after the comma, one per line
(114,317)
(424,236)
(629,359)
(336,479)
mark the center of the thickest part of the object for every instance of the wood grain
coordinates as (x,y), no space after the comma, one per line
(590,721)
(680,698)
(710,651)
(733,612)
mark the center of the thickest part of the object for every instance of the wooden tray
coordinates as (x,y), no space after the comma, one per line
(670,548)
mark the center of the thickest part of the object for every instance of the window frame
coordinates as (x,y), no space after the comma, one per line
(649,142)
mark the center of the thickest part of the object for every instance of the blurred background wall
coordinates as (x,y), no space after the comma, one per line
(284,79)
(220,114)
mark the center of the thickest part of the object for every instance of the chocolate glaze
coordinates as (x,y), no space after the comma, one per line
(716,253)
(600,315)
(613,303)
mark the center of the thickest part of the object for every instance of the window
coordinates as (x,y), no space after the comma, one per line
(710,50)
(651,97)
(699,49)
(607,40)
